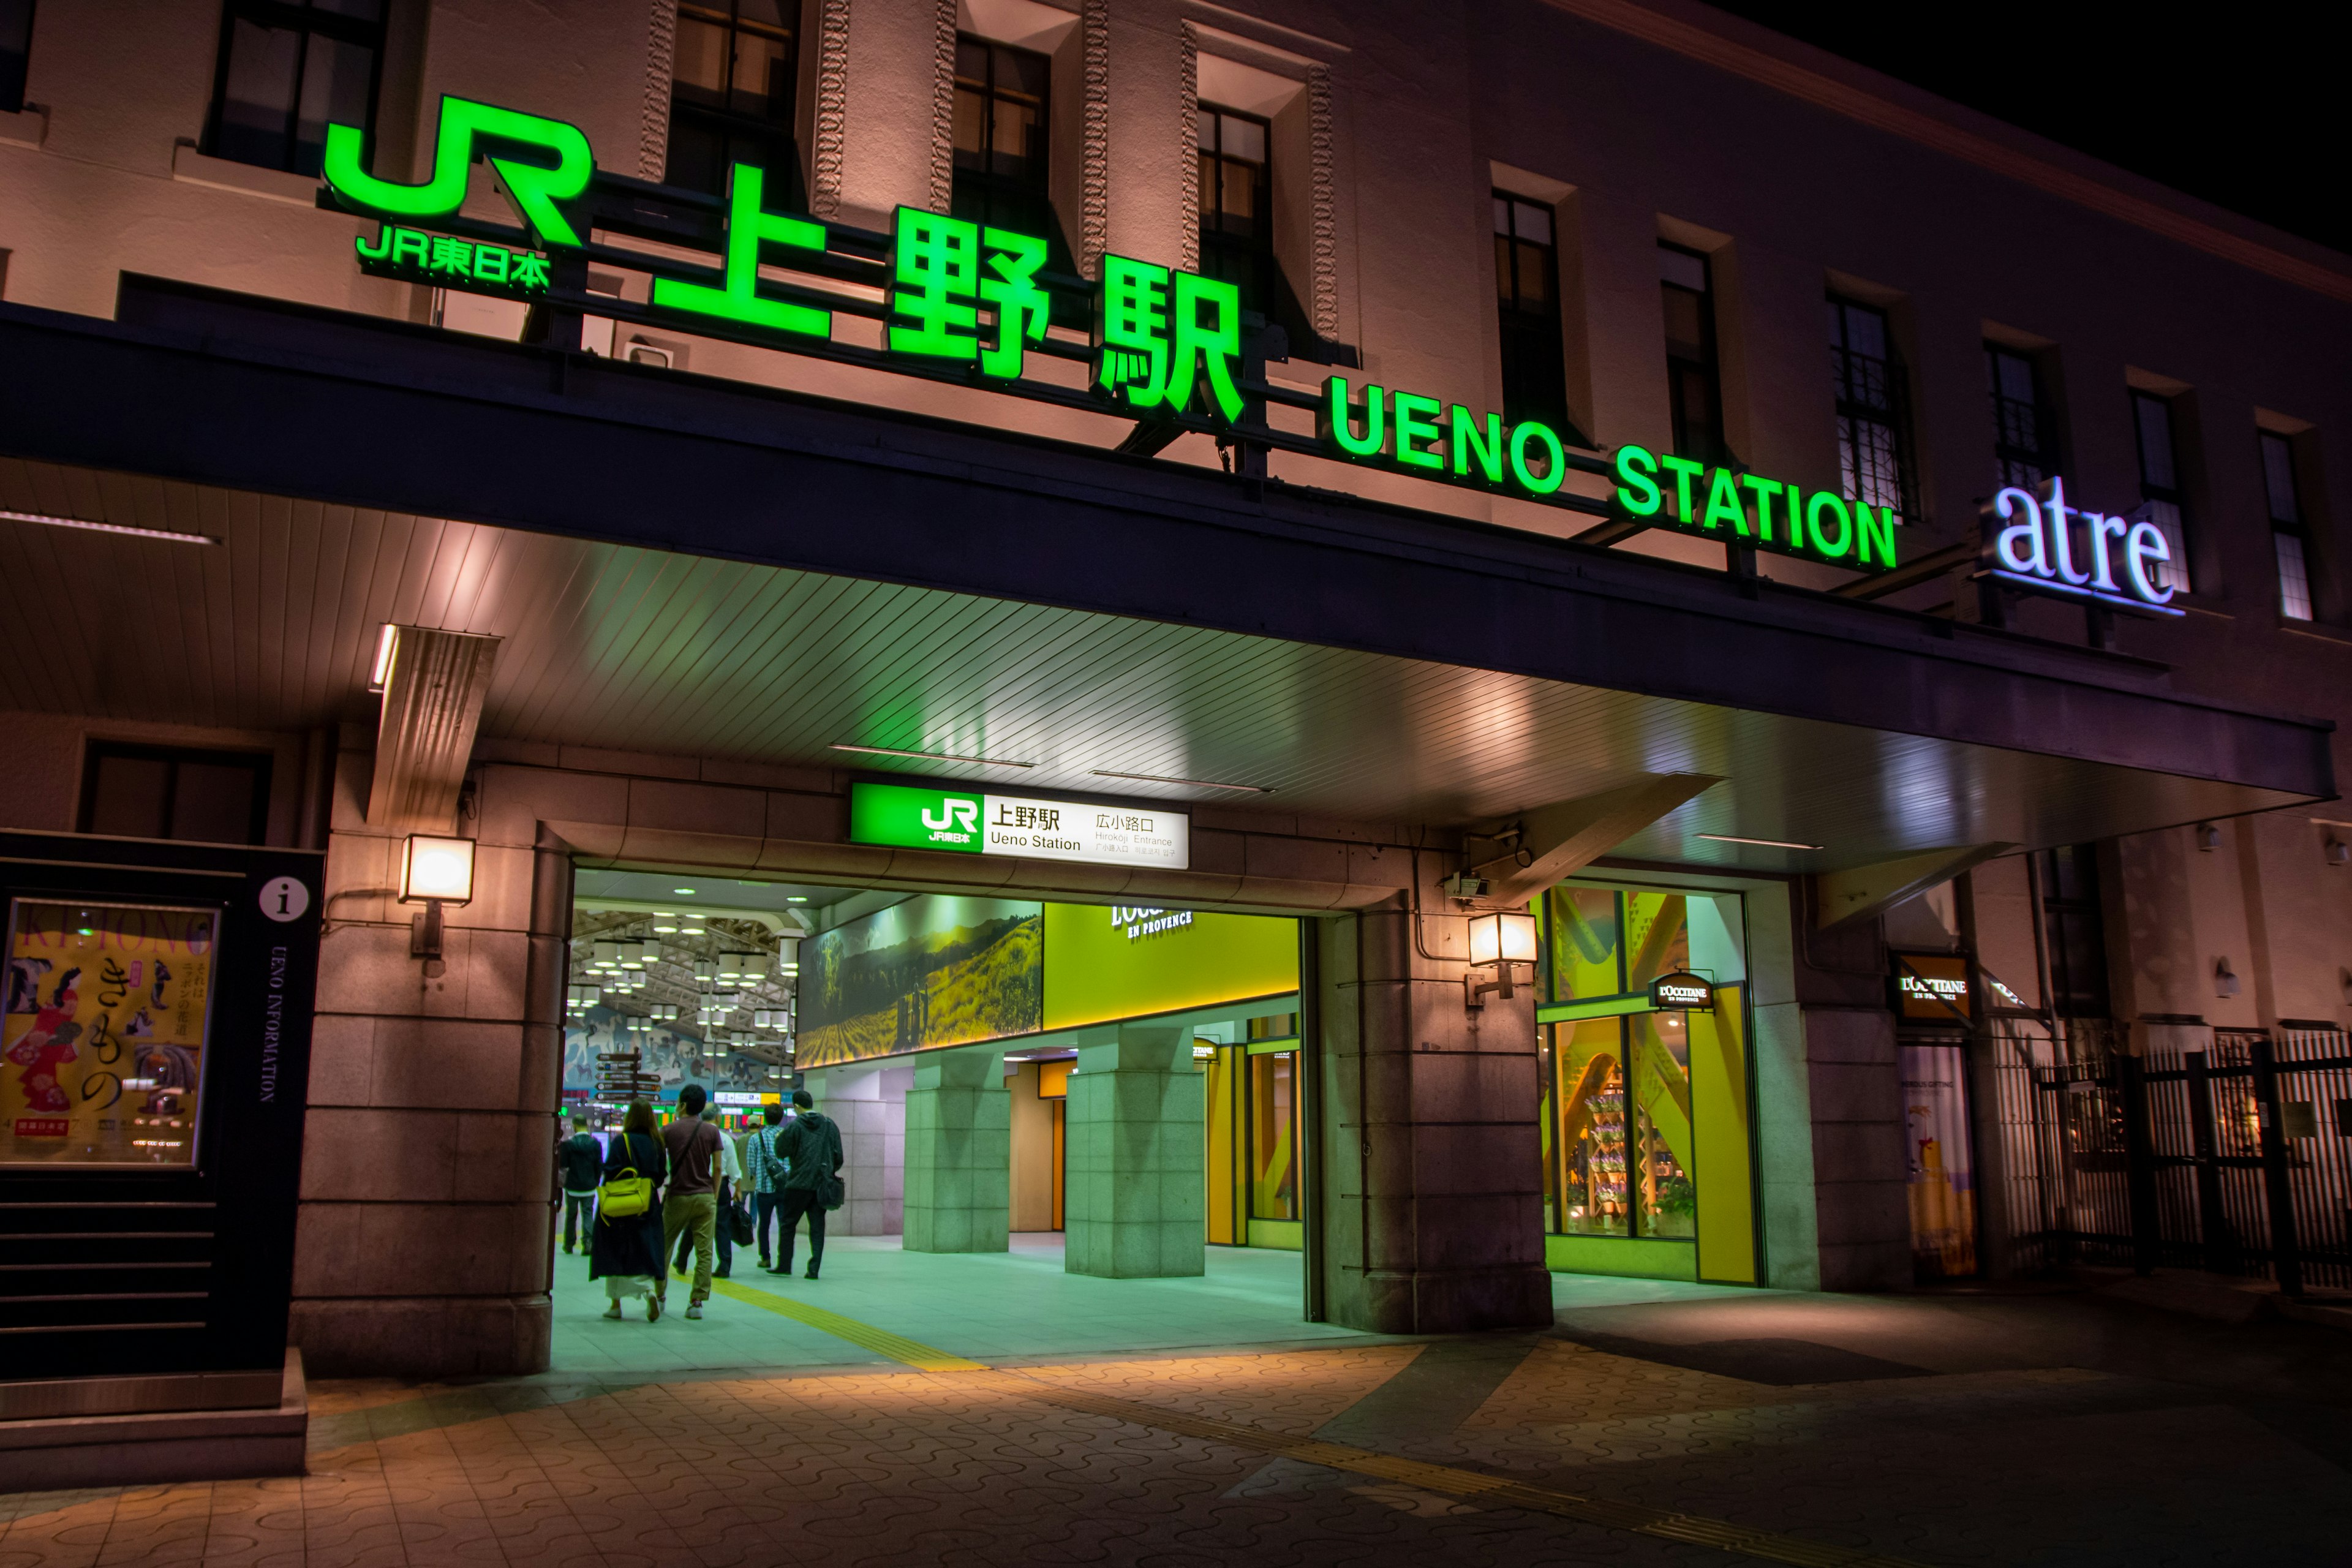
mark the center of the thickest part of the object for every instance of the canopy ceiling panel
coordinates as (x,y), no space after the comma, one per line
(630,649)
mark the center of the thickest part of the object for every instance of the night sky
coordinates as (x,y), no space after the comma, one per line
(2253,120)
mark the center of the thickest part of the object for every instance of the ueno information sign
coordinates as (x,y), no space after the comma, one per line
(913,816)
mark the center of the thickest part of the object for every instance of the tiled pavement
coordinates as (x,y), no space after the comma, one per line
(1965,1430)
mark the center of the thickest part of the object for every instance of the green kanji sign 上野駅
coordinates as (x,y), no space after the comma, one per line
(973,822)
(968,300)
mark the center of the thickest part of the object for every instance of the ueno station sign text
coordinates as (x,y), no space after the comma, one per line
(976,301)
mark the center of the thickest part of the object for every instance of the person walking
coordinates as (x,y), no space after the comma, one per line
(625,1250)
(763,1173)
(580,1166)
(730,1183)
(810,1146)
(691,1207)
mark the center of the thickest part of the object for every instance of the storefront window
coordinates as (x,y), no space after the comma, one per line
(103,1050)
(1274,1142)
(1647,1110)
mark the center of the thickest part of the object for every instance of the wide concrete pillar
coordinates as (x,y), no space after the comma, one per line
(423,1248)
(1430,1197)
(1133,1190)
(958,1152)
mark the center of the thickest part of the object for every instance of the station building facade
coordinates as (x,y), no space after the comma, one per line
(696,506)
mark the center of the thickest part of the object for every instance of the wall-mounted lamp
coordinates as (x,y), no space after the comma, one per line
(1498,941)
(434,871)
(2225,979)
(2208,837)
(2338,852)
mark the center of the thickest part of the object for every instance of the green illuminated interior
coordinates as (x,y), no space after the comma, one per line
(1646,1127)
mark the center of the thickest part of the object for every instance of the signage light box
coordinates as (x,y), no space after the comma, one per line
(912,816)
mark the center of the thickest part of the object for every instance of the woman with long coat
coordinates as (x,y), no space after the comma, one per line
(626,1254)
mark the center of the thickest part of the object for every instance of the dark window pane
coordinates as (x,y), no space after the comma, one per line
(127,799)
(2278,479)
(256,107)
(16,48)
(763,80)
(336,79)
(2154,417)
(359,10)
(698,157)
(698,63)
(212,803)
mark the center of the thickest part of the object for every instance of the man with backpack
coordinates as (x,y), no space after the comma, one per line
(580,1164)
(763,1172)
(810,1146)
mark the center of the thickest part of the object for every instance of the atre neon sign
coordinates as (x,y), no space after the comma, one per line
(2041,542)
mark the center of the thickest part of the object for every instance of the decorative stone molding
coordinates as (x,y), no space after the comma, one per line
(1191,103)
(832,106)
(661,54)
(1094,227)
(1325,285)
(943,108)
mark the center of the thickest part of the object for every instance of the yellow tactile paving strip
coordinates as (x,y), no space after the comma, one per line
(1443,1480)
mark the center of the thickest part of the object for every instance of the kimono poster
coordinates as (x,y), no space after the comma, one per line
(103,1047)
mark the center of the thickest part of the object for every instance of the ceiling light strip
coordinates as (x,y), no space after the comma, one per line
(1764,843)
(930,756)
(1196,783)
(83,522)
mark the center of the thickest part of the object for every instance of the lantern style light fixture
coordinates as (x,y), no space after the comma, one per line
(1499,941)
(434,871)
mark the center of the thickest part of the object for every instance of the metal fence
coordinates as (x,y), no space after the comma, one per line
(2227,1151)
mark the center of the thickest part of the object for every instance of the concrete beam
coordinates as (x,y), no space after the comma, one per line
(1558,840)
(433,700)
(1863,891)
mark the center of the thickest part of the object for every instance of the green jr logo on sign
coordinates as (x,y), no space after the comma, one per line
(904,816)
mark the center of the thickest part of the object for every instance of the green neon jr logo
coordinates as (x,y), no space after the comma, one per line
(908,816)
(536,189)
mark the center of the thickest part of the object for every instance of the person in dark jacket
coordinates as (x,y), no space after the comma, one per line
(579,1164)
(810,1146)
(626,1253)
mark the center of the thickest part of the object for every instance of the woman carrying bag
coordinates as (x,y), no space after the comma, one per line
(625,1249)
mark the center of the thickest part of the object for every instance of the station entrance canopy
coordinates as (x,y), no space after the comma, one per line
(698,568)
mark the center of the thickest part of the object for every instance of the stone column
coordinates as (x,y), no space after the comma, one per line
(1429,1184)
(1132,1201)
(869,1104)
(958,1152)
(423,1245)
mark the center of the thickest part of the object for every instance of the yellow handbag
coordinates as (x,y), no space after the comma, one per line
(625,1197)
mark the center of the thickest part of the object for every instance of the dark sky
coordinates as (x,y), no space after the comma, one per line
(2252,120)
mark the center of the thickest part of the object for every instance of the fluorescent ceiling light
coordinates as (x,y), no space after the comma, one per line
(931,756)
(687,892)
(1196,783)
(108,527)
(1766,843)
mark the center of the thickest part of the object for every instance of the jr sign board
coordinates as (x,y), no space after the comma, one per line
(914,817)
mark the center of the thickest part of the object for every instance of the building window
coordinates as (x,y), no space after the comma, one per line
(1526,301)
(2288,535)
(286,73)
(16,49)
(1873,408)
(2023,452)
(734,70)
(2074,931)
(2159,484)
(1000,138)
(1694,382)
(1236,198)
(160,792)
